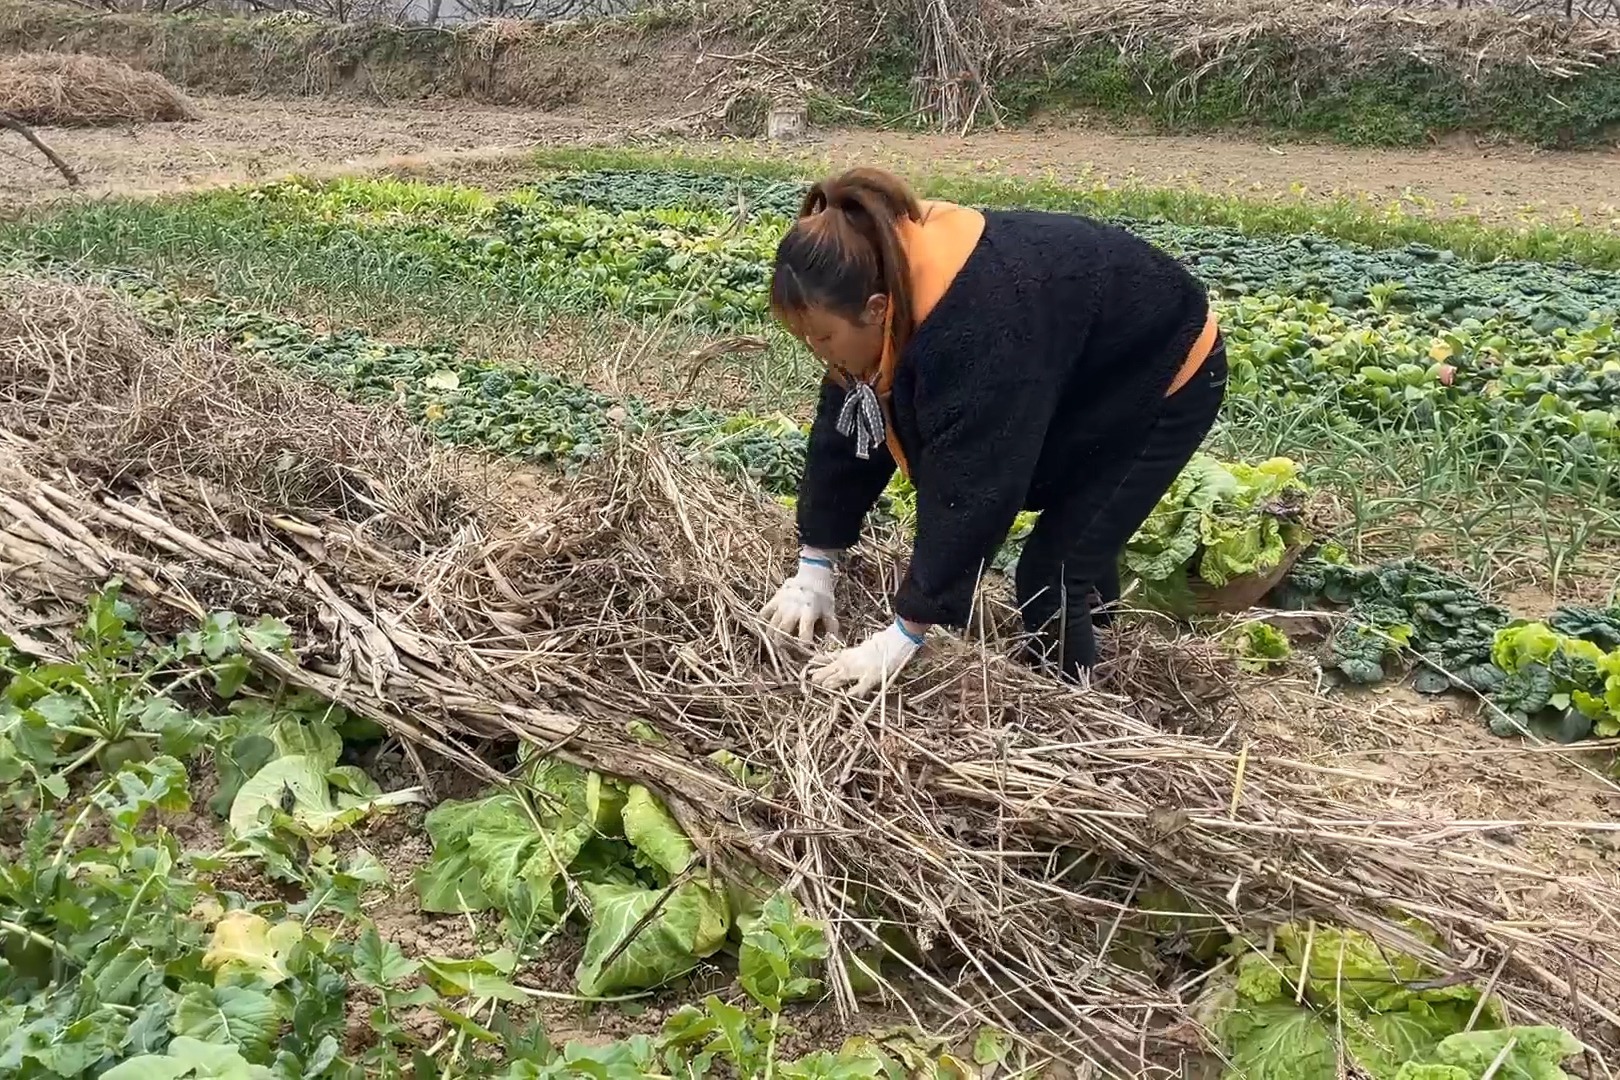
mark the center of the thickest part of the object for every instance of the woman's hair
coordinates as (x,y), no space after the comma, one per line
(845,248)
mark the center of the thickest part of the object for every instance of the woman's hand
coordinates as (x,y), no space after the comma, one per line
(873,663)
(805,603)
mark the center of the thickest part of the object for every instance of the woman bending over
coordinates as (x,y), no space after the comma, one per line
(1004,361)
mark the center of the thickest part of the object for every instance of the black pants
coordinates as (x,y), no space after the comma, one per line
(1070,563)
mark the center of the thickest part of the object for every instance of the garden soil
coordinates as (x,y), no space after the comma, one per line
(1434,756)
(239,140)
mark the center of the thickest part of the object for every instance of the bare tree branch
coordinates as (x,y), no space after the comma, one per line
(11,123)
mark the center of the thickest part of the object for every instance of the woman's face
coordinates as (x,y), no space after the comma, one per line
(854,346)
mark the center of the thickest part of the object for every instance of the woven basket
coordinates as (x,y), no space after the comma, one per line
(1242,593)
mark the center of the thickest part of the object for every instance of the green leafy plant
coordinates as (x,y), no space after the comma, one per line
(101,955)
(1260,646)
(189,1057)
(1403,607)
(1526,1053)
(1218,522)
(1559,686)
(115,702)
(780,949)
(1325,994)
(121,957)
(568,840)
(310,794)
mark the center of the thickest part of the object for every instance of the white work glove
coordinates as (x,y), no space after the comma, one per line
(873,663)
(805,600)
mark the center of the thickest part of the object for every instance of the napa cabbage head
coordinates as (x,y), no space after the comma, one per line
(1219,521)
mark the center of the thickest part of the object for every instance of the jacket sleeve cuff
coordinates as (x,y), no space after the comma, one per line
(818,534)
(913,605)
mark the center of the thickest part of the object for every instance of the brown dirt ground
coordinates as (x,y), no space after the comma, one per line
(239,140)
(1434,757)
(1497,183)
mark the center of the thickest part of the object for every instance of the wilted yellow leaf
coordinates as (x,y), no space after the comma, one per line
(1440,350)
(207,910)
(248,944)
(435,410)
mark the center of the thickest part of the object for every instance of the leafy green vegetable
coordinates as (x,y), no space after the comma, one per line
(186,1056)
(721,1031)
(58,718)
(1599,626)
(120,973)
(780,948)
(1541,679)
(1348,968)
(1278,1041)
(524,839)
(1218,522)
(120,959)
(487,976)
(1259,979)
(653,832)
(527,849)
(1532,1053)
(1414,1071)
(249,946)
(1557,684)
(316,798)
(1399,607)
(1330,993)
(1382,1043)
(990,1047)
(1261,645)
(641,938)
(244,1017)
(380,963)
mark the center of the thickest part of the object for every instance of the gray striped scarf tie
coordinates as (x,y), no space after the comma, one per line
(861,418)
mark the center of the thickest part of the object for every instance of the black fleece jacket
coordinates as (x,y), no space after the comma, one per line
(1059,335)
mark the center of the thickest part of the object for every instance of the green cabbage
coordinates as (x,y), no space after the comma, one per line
(1218,522)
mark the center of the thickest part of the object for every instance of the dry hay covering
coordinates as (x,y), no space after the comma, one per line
(145,411)
(74,90)
(1010,822)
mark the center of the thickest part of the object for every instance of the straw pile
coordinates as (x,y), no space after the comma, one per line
(1009,822)
(74,90)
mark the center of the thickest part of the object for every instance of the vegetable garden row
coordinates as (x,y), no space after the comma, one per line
(1517,361)
(130,954)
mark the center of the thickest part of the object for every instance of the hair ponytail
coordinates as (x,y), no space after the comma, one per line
(846,247)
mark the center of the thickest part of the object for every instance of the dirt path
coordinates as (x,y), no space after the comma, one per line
(239,140)
(245,140)
(1500,183)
